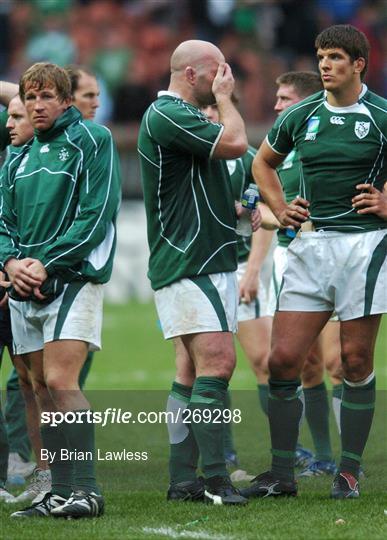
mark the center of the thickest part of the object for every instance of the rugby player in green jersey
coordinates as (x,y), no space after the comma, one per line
(191,234)
(85,96)
(57,245)
(337,262)
(292,88)
(254,322)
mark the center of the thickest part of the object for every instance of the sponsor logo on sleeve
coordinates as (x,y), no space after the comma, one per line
(312,128)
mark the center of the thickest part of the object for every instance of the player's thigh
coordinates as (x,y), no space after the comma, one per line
(358,338)
(185,369)
(292,336)
(213,353)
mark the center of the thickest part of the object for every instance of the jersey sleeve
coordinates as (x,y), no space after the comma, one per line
(279,137)
(8,237)
(183,128)
(99,198)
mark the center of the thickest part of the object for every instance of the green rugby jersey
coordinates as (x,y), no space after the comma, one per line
(339,147)
(188,199)
(289,174)
(60,195)
(241,176)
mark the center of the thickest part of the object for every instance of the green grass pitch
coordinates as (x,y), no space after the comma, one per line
(133,373)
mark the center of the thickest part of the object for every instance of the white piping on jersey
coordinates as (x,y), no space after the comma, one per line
(177,125)
(147,123)
(159,206)
(87,181)
(209,206)
(91,137)
(145,157)
(80,164)
(44,169)
(216,141)
(342,227)
(65,210)
(375,124)
(213,255)
(274,150)
(101,213)
(320,101)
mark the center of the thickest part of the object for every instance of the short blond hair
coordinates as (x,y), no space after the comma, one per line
(43,74)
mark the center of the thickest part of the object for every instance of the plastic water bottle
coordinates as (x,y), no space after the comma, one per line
(249,202)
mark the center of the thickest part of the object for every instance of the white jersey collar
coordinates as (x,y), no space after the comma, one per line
(167,93)
(350,108)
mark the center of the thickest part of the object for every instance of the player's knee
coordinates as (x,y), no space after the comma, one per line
(283,365)
(355,366)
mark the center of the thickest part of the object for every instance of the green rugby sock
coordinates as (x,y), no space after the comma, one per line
(263,396)
(317,416)
(183,450)
(208,395)
(357,411)
(81,438)
(228,439)
(337,392)
(62,470)
(285,411)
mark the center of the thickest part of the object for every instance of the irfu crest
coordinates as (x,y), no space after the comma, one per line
(362,129)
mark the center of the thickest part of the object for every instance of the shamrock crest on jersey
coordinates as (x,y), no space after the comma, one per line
(362,129)
(63,154)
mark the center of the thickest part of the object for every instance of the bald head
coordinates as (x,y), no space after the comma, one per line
(194,65)
(194,53)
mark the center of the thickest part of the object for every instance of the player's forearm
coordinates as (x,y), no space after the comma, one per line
(269,221)
(269,185)
(260,245)
(233,142)
(7,92)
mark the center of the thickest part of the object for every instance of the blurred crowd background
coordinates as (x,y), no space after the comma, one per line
(128,45)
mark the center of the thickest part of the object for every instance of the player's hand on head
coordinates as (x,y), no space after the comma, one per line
(223,84)
(370,201)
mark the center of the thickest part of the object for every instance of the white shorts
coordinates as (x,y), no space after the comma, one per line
(199,304)
(329,270)
(280,261)
(76,314)
(256,308)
